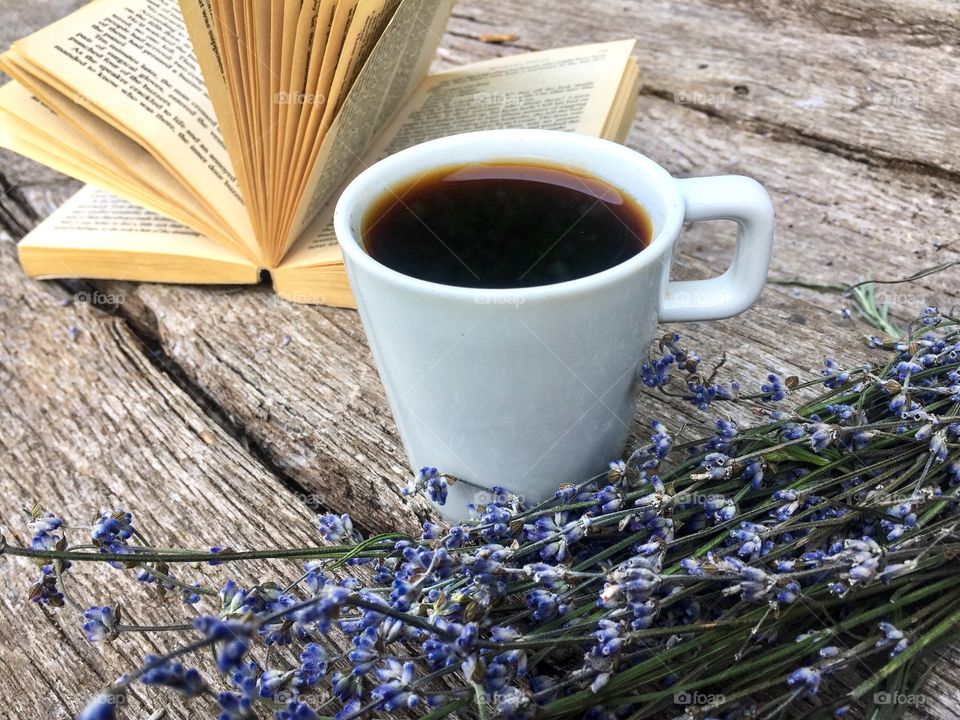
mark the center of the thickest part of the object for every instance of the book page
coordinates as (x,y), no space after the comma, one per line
(571,89)
(390,74)
(367,21)
(133,64)
(97,235)
(198,20)
(344,11)
(305,37)
(299,32)
(34,130)
(366,26)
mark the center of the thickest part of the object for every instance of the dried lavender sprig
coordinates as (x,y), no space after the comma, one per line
(655,529)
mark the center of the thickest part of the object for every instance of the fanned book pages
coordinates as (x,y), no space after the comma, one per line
(214,135)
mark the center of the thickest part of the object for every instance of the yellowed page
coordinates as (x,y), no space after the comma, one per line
(621,121)
(275,53)
(133,64)
(26,141)
(572,89)
(199,21)
(389,76)
(342,17)
(366,25)
(37,132)
(286,103)
(247,14)
(97,235)
(124,152)
(277,25)
(21,140)
(233,44)
(313,34)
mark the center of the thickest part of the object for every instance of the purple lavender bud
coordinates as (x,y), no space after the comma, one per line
(806,679)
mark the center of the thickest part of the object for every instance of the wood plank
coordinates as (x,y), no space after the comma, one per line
(315,403)
(48,187)
(875,81)
(838,221)
(92,423)
(301,383)
(312,410)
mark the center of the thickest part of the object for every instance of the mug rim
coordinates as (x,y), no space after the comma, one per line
(506,145)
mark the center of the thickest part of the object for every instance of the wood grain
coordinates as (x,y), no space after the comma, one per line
(91,423)
(227,414)
(874,81)
(290,374)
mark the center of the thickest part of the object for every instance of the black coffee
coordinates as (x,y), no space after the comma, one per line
(503,225)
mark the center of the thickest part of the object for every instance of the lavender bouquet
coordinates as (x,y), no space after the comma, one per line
(803,565)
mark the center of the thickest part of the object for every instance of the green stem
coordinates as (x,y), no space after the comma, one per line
(480,697)
(181,557)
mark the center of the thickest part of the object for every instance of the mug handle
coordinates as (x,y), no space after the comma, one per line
(724,197)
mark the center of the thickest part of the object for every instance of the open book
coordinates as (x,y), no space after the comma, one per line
(215,134)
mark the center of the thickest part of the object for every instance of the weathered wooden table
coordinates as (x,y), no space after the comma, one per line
(226,416)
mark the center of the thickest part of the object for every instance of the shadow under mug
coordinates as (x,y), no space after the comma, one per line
(530,388)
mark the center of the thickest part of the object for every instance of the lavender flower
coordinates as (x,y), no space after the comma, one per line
(526,607)
(41,529)
(773,388)
(296,710)
(313,663)
(100,623)
(46,591)
(190,594)
(112,528)
(835,376)
(821,436)
(231,638)
(394,690)
(544,605)
(161,671)
(335,528)
(656,372)
(102,707)
(892,638)
(430,480)
(436,485)
(806,680)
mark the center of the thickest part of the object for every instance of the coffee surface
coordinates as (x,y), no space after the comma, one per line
(503,225)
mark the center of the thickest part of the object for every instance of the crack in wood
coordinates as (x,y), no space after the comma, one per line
(143,326)
(10,194)
(780,132)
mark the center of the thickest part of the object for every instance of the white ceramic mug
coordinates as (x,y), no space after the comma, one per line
(533,387)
